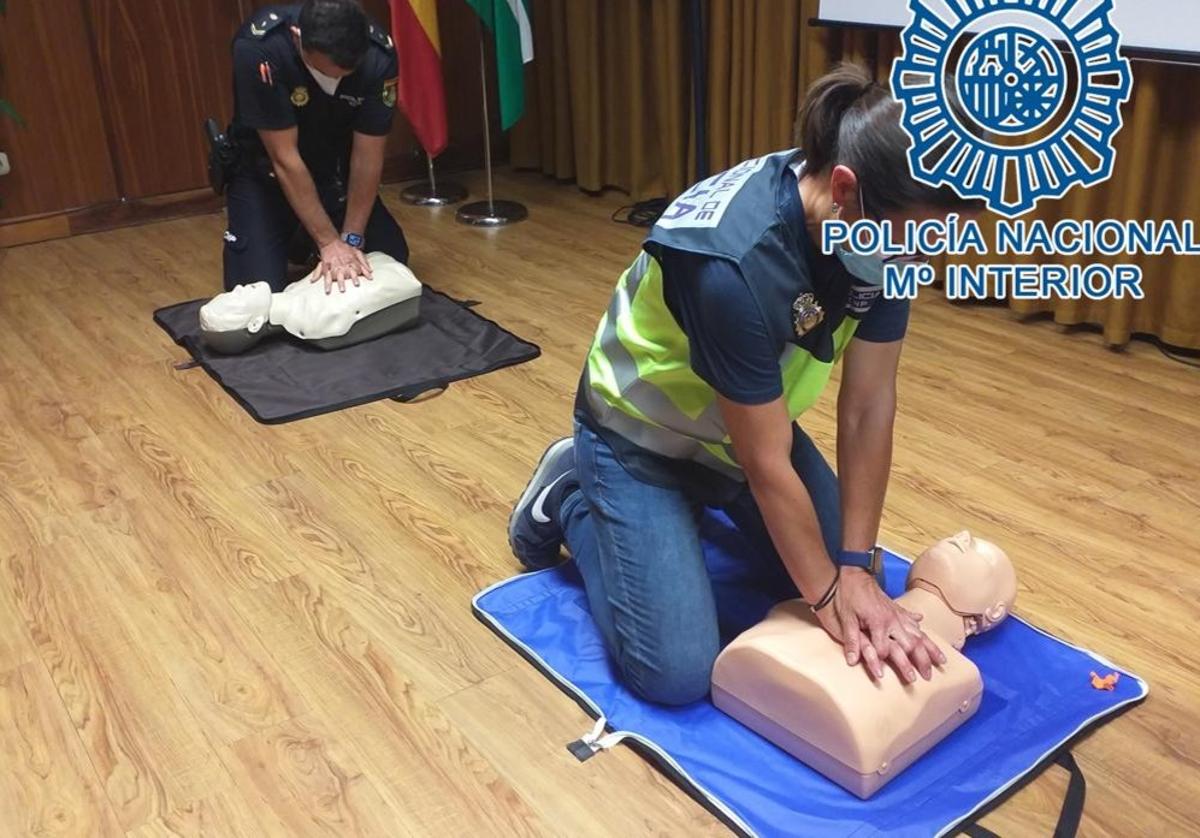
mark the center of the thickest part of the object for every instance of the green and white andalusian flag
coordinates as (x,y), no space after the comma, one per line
(508,20)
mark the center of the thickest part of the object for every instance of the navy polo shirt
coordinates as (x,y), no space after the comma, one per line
(273,90)
(735,347)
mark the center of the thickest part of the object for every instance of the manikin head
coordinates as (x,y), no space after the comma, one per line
(236,320)
(973,577)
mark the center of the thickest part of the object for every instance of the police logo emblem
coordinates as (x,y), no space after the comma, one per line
(300,96)
(389,92)
(807,314)
(1042,91)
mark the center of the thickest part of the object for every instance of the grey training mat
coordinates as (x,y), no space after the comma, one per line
(282,379)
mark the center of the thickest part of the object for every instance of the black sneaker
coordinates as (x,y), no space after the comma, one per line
(534,533)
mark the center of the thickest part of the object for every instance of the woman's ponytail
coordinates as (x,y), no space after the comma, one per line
(848,119)
(826,105)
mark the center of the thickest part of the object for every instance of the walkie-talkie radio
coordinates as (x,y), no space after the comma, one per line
(222,156)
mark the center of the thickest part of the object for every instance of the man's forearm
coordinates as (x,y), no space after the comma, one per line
(301,192)
(366,170)
(795,530)
(864,451)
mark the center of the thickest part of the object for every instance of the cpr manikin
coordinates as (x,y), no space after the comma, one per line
(236,320)
(788,680)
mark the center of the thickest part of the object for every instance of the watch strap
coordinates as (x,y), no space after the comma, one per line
(868,560)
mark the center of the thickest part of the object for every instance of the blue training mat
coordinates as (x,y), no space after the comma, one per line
(1037,699)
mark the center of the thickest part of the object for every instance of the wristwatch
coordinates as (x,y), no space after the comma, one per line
(869,560)
(353,239)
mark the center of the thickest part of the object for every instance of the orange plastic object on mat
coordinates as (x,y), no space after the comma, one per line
(1108,682)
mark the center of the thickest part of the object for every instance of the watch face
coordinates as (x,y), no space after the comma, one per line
(877,565)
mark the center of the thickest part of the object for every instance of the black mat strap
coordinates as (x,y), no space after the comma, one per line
(423,395)
(581,750)
(1072,808)
(1069,816)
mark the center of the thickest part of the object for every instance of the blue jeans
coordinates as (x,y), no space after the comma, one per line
(638,548)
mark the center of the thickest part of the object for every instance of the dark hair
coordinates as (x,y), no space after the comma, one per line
(848,119)
(336,28)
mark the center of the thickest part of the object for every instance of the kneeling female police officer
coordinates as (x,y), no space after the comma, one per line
(719,337)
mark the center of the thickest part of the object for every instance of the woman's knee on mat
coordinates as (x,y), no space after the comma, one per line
(678,673)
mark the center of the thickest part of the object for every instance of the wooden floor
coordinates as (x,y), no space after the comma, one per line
(213,627)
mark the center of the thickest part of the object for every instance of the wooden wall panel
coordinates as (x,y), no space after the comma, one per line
(117,112)
(164,66)
(60,158)
(160,88)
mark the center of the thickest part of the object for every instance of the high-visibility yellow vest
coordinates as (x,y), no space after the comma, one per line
(639,382)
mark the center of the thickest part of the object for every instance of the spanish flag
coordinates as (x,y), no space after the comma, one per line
(422,92)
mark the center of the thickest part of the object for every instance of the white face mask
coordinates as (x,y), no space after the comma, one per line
(865,267)
(871,268)
(327,83)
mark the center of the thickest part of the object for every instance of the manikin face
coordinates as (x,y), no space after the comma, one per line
(246,307)
(974,577)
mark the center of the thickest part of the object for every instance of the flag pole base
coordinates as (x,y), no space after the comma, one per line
(492,213)
(425,194)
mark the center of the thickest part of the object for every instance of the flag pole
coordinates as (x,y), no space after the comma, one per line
(489,213)
(430,193)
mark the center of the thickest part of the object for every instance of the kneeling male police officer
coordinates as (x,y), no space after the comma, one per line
(314,98)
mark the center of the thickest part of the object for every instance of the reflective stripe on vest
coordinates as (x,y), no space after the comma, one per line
(640,384)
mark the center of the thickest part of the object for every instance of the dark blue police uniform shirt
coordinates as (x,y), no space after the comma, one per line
(273,91)
(734,347)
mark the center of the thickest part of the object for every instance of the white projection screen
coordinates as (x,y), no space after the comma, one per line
(1166,25)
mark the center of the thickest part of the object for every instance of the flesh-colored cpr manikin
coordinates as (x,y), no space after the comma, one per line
(236,320)
(788,680)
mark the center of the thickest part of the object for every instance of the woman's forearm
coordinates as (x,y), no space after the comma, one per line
(791,519)
(864,449)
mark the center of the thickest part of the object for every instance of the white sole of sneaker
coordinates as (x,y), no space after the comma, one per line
(534,481)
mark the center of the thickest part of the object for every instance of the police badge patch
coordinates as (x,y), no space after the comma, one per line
(389,92)
(300,96)
(807,314)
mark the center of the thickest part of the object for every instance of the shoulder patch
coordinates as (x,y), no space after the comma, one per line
(862,298)
(265,22)
(381,37)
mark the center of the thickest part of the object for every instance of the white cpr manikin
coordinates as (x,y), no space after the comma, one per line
(236,320)
(788,680)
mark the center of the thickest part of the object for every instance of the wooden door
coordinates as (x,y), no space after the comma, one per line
(60,159)
(164,65)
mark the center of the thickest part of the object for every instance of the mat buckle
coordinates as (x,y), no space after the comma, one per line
(593,742)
